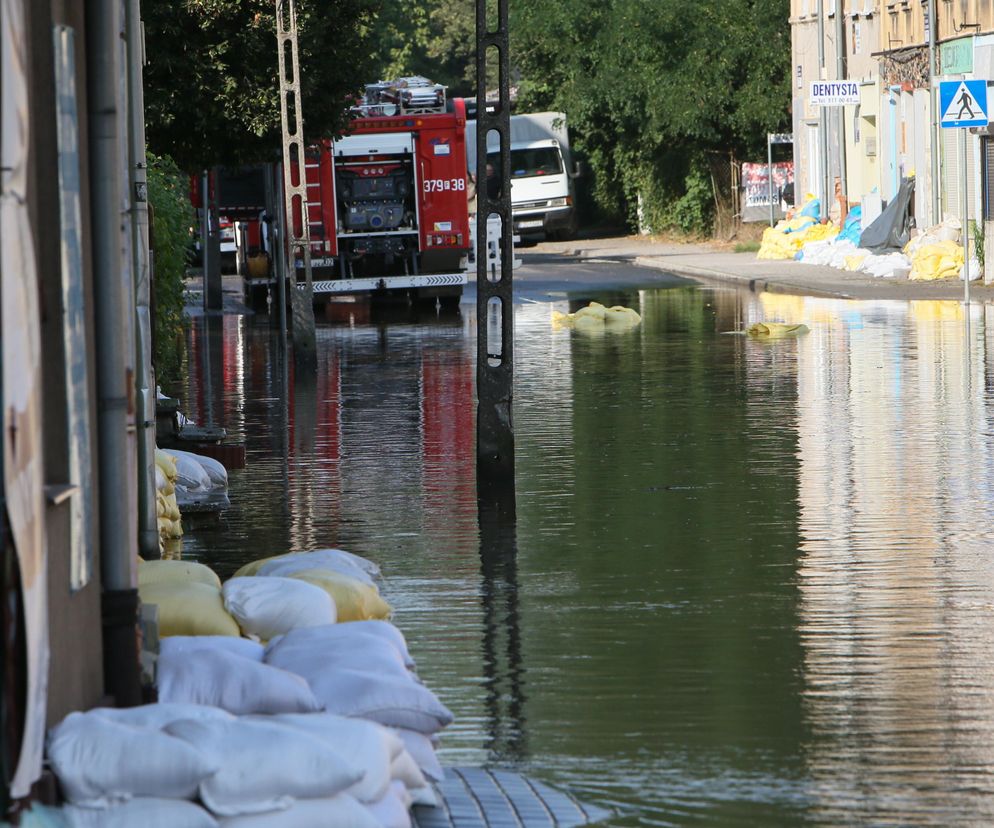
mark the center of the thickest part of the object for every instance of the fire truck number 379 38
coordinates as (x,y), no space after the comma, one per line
(434,185)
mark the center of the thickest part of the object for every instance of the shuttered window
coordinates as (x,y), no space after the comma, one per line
(952,173)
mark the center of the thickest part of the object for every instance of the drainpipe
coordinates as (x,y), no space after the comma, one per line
(933,113)
(115,381)
(148,527)
(822,118)
(840,70)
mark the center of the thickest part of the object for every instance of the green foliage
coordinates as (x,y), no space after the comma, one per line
(648,88)
(747,247)
(172,218)
(978,232)
(212,85)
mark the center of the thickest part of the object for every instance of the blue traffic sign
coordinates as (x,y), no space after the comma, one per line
(963,103)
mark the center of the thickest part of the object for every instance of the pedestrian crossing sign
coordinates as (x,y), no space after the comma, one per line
(963,103)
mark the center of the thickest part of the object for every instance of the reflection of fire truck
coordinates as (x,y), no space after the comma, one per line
(387,204)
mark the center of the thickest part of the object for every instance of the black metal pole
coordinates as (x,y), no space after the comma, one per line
(494,297)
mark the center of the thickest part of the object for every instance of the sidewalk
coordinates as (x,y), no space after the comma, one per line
(710,263)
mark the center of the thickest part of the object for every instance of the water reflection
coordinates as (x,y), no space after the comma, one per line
(746,582)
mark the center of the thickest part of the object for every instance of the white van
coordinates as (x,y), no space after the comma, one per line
(543,192)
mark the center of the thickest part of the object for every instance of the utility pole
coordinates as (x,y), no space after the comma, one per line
(494,308)
(934,132)
(822,115)
(295,195)
(840,72)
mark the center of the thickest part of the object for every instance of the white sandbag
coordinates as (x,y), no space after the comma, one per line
(157,716)
(244,647)
(404,769)
(381,629)
(144,812)
(238,685)
(385,699)
(368,746)
(393,810)
(214,469)
(267,607)
(264,766)
(190,475)
(342,811)
(331,559)
(423,752)
(323,557)
(100,762)
(326,649)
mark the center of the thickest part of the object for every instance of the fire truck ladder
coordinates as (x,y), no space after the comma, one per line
(295,195)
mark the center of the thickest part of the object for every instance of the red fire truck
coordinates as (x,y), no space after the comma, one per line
(387,203)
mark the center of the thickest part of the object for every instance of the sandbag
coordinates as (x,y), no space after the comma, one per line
(214,469)
(267,607)
(393,810)
(385,699)
(244,647)
(188,609)
(776,329)
(405,769)
(370,747)
(361,651)
(285,567)
(190,475)
(238,685)
(143,812)
(157,716)
(354,600)
(316,555)
(356,630)
(189,572)
(264,766)
(342,811)
(423,752)
(100,762)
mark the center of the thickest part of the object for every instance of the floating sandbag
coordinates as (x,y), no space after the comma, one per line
(354,599)
(143,812)
(100,762)
(188,609)
(367,745)
(263,766)
(238,685)
(169,572)
(320,557)
(596,318)
(157,716)
(267,607)
(342,810)
(773,330)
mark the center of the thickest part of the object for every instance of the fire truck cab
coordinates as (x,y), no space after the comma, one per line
(388,203)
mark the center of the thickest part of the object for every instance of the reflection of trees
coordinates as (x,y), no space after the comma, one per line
(674,582)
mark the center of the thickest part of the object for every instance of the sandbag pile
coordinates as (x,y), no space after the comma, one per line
(166,508)
(200,480)
(325,724)
(194,766)
(597,319)
(788,237)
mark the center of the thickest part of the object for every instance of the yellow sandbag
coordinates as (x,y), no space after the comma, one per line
(253,568)
(188,609)
(941,260)
(621,316)
(594,309)
(775,329)
(167,463)
(595,318)
(186,572)
(354,600)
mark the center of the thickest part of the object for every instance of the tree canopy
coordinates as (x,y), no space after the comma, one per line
(211,81)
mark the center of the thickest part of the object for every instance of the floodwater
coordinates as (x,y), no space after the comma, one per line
(750,583)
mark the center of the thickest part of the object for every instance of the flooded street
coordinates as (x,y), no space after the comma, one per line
(750,582)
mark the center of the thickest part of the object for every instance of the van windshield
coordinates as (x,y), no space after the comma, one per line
(526,163)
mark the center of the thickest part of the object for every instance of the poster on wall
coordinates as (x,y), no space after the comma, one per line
(756,189)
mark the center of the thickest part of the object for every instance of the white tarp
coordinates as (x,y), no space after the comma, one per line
(22,448)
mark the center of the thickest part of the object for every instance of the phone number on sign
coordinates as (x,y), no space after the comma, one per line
(437,185)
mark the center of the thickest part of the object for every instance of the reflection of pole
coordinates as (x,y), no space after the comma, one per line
(502,658)
(769,173)
(966,224)
(205,233)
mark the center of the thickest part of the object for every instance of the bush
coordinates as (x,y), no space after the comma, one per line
(171,217)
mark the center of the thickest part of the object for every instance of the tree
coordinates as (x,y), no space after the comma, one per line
(211,83)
